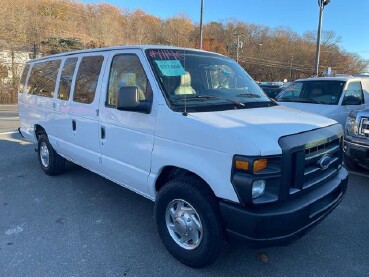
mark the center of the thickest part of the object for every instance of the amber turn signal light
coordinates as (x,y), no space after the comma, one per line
(261,164)
(242,165)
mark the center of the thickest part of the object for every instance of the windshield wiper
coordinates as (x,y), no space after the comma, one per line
(250,95)
(312,100)
(285,100)
(192,97)
(299,100)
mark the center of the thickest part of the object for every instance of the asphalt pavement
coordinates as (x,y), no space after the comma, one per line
(80,224)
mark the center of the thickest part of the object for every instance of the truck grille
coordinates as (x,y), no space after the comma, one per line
(315,171)
(315,165)
(364,127)
(310,159)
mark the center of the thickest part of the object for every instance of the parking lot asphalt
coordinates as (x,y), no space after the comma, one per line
(80,224)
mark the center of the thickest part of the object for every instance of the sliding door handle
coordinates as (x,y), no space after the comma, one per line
(102,132)
(74,125)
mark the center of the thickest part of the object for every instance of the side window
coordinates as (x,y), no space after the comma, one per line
(127,70)
(355,91)
(87,78)
(43,78)
(66,78)
(23,78)
(292,91)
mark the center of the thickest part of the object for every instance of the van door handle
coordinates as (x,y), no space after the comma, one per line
(74,125)
(102,132)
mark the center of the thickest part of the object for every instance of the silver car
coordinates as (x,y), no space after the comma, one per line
(333,97)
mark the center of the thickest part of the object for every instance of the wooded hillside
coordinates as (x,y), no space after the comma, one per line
(45,27)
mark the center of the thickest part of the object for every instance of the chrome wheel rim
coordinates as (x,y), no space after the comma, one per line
(184,224)
(44,154)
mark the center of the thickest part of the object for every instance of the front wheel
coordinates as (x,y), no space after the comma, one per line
(51,162)
(188,222)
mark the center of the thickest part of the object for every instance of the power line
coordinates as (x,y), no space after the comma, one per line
(276,66)
(276,62)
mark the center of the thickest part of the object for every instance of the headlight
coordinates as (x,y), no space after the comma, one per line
(351,126)
(258,188)
(257,179)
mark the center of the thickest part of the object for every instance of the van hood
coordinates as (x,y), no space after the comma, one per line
(320,109)
(261,127)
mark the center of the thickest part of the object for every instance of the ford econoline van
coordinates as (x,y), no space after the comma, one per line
(333,97)
(192,131)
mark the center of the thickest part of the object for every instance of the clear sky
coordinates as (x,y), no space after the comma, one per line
(348,18)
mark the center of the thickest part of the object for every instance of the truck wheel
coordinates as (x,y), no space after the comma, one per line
(351,163)
(188,221)
(51,162)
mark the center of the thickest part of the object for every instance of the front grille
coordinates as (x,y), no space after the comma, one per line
(313,171)
(364,127)
(309,160)
(315,164)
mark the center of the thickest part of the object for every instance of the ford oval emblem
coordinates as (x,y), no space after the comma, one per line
(324,162)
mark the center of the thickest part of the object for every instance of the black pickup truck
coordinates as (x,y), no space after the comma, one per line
(356,141)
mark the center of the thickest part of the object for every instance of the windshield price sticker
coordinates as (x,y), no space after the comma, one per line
(171,67)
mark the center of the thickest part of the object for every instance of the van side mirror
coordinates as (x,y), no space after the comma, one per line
(351,100)
(127,100)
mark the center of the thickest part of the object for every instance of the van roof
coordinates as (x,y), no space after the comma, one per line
(336,78)
(141,47)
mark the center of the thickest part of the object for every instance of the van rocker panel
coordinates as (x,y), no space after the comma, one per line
(283,223)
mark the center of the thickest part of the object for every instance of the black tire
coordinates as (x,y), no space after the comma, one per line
(56,162)
(350,163)
(202,199)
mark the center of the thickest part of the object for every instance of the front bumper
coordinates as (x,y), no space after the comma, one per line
(357,150)
(282,223)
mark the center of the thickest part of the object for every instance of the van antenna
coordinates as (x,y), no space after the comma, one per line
(185,113)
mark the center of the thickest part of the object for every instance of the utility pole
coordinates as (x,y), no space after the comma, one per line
(34,50)
(201,17)
(291,67)
(322,4)
(239,45)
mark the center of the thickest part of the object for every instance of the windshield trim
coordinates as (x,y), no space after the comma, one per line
(222,107)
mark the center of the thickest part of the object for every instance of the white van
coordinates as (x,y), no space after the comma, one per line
(333,97)
(191,131)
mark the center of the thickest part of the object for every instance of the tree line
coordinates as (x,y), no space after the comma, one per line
(44,27)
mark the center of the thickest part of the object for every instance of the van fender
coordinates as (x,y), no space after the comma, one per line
(214,167)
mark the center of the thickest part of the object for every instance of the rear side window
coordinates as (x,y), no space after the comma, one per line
(354,90)
(87,78)
(43,78)
(23,78)
(66,78)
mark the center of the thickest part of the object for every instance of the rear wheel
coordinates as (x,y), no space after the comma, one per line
(188,222)
(51,162)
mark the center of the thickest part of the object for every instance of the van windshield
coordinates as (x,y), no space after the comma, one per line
(204,81)
(315,92)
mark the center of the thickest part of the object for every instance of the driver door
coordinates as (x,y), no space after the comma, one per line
(127,137)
